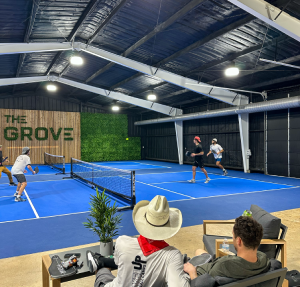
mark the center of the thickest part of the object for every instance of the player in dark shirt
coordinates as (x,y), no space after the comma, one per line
(4,169)
(198,160)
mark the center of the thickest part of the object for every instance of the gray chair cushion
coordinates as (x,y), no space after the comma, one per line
(271,226)
(204,280)
(210,244)
(224,280)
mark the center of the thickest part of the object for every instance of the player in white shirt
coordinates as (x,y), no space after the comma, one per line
(217,151)
(18,170)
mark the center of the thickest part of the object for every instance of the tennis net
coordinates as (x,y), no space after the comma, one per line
(119,182)
(55,161)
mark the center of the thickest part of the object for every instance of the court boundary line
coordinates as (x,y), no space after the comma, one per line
(165,189)
(199,180)
(168,201)
(32,206)
(152,164)
(224,176)
(222,195)
(42,181)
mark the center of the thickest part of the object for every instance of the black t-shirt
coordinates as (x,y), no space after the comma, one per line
(198,149)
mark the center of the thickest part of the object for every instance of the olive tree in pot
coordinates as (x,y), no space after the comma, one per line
(105,222)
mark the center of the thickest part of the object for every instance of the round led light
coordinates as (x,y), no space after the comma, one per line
(232,71)
(51,88)
(151,97)
(115,108)
(76,60)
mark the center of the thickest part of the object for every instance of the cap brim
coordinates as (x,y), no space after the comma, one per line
(156,232)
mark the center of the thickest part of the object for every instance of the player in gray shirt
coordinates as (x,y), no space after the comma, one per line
(247,234)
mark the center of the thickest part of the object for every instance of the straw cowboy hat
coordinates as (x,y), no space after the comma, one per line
(155,220)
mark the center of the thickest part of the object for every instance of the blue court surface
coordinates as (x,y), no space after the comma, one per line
(52,216)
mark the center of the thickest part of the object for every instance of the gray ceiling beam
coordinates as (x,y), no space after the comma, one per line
(224,95)
(271,15)
(34,10)
(89,9)
(96,33)
(193,46)
(213,63)
(273,82)
(191,5)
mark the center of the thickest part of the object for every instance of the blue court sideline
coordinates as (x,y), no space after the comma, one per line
(55,205)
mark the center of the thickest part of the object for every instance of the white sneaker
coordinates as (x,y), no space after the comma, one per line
(207,180)
(192,181)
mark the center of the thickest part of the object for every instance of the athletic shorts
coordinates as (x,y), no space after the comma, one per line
(20,177)
(218,159)
(198,163)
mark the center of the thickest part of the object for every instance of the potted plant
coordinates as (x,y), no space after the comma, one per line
(105,222)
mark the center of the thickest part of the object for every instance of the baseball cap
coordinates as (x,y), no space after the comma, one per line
(25,150)
(198,139)
(215,140)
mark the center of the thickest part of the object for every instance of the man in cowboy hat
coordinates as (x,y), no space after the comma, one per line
(147,260)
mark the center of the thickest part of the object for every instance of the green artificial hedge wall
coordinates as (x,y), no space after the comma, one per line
(103,138)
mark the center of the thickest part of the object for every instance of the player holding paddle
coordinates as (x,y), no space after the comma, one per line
(217,150)
(18,170)
(198,157)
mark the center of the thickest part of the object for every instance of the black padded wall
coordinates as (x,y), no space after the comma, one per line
(295,142)
(277,143)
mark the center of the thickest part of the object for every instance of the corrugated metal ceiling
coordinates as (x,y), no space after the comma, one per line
(206,36)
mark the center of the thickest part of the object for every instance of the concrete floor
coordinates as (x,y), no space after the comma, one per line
(26,271)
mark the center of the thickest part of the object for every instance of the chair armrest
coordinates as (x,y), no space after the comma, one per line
(280,242)
(205,222)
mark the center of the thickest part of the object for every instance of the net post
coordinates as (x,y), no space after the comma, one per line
(71,167)
(133,198)
(64,165)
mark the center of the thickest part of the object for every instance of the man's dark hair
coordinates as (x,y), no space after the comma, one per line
(249,230)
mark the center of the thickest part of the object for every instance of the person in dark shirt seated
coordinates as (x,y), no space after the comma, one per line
(247,234)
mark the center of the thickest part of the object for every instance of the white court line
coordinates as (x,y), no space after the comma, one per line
(222,176)
(235,193)
(45,217)
(165,189)
(152,164)
(168,201)
(197,180)
(42,181)
(29,200)
(6,196)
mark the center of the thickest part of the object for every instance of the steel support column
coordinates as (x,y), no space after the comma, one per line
(179,140)
(244,135)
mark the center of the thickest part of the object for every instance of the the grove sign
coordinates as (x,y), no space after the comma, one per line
(39,133)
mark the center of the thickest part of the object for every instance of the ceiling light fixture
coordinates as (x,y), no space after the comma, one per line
(76,60)
(115,108)
(232,70)
(51,88)
(151,97)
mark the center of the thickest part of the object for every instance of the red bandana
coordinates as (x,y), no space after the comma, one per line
(150,246)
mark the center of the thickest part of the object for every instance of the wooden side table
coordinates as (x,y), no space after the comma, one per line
(82,272)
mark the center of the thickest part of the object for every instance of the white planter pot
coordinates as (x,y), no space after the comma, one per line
(106,249)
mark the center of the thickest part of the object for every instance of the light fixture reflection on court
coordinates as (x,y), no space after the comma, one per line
(115,108)
(76,60)
(232,70)
(151,97)
(51,88)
